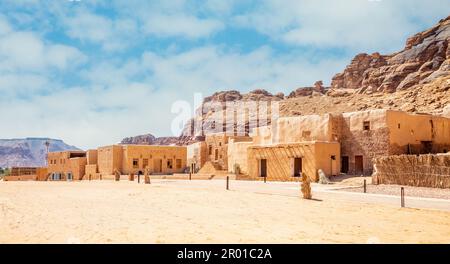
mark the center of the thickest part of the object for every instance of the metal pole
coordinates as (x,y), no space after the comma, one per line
(228,182)
(139,177)
(365,188)
(402,196)
(190,175)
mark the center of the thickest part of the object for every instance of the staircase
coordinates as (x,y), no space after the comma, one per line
(212,170)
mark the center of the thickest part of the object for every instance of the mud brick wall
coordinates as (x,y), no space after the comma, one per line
(416,149)
(423,170)
(368,144)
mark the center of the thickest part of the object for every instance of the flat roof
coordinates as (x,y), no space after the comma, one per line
(293,144)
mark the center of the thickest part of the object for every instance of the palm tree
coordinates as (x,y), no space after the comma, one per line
(47,144)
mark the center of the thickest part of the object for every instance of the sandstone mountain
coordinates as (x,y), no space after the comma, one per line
(28,152)
(425,58)
(149,139)
(416,80)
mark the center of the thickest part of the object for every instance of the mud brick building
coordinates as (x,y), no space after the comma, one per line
(66,165)
(334,143)
(27,174)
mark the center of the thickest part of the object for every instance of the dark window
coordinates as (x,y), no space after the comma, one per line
(366,125)
(398,125)
(210,150)
(135,163)
(297,167)
(169,163)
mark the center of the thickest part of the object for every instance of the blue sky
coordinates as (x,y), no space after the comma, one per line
(93,72)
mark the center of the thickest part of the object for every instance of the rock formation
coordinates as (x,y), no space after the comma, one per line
(416,80)
(149,139)
(29,152)
(425,57)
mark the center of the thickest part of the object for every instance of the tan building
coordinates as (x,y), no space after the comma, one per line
(336,143)
(237,155)
(196,156)
(215,150)
(27,174)
(287,162)
(369,134)
(135,158)
(91,169)
(66,165)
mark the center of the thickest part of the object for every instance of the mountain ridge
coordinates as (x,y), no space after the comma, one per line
(29,152)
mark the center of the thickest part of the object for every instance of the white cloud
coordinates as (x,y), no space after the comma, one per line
(110,34)
(136,96)
(26,51)
(357,25)
(4,26)
(118,95)
(180,25)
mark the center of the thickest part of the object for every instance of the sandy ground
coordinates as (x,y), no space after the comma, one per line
(183,212)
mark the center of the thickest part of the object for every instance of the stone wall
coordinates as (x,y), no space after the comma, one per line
(432,170)
(355,141)
(237,156)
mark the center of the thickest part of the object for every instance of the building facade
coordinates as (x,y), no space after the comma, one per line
(135,159)
(27,174)
(336,143)
(66,165)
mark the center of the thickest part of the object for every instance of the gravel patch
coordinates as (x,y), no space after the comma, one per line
(424,192)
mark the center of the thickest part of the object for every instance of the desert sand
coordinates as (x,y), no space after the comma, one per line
(163,212)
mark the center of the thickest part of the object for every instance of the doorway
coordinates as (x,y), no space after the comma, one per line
(297,167)
(157,165)
(334,169)
(344,164)
(359,167)
(427,146)
(263,168)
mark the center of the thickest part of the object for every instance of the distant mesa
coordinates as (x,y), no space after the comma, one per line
(29,152)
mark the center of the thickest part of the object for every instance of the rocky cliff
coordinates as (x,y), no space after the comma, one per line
(416,79)
(149,139)
(426,57)
(28,152)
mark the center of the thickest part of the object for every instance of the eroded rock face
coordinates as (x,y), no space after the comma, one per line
(149,139)
(316,90)
(426,57)
(233,96)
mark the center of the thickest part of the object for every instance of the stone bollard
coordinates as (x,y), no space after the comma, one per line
(131,177)
(116,175)
(147,177)
(306,187)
